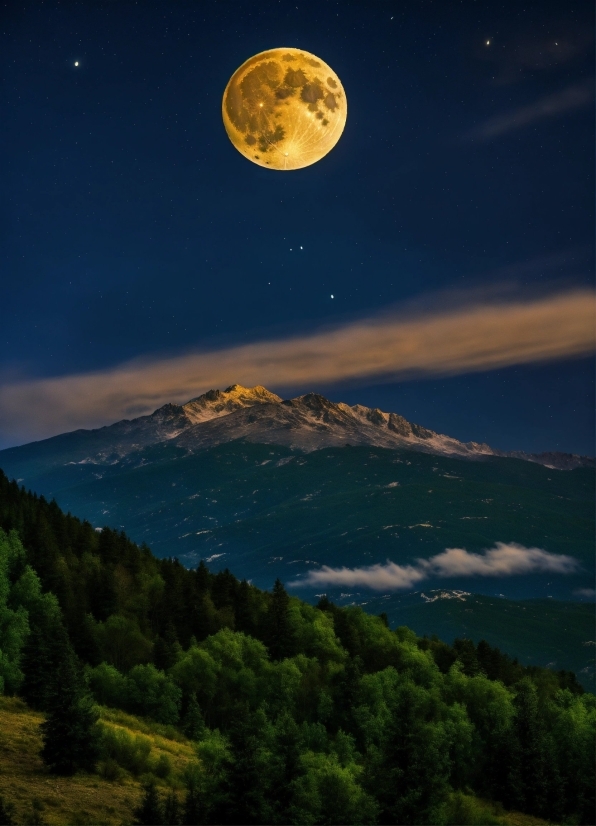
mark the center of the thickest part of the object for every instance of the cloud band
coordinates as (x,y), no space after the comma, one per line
(505,559)
(550,106)
(481,335)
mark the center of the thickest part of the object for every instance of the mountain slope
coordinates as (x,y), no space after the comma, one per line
(84,798)
(270,488)
(268,511)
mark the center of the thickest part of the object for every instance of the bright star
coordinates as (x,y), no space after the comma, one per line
(488,42)
(76,62)
(332,296)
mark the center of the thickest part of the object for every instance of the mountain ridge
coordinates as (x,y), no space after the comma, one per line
(307,422)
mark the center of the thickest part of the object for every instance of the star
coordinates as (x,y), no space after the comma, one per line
(76,63)
(332,296)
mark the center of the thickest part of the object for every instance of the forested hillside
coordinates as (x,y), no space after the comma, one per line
(299,714)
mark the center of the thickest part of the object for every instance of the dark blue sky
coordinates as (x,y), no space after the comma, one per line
(130,225)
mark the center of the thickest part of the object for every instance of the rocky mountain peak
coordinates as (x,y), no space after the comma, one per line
(216,403)
(306,423)
(167,411)
(315,402)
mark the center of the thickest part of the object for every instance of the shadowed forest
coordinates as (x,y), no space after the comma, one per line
(295,713)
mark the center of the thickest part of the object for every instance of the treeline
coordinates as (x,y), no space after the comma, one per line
(301,714)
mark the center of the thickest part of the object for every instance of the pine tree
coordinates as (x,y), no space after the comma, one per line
(46,645)
(69,733)
(245,791)
(192,813)
(528,781)
(171,810)
(202,578)
(285,766)
(346,696)
(409,774)
(193,724)
(242,610)
(279,634)
(167,648)
(149,812)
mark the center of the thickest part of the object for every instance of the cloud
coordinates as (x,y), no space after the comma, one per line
(468,334)
(389,577)
(505,559)
(550,106)
(586,593)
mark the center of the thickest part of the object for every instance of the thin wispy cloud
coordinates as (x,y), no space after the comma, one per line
(585,593)
(478,333)
(550,106)
(505,559)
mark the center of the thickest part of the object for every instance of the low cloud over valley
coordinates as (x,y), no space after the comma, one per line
(505,559)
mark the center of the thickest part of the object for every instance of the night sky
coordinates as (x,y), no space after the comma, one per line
(131,227)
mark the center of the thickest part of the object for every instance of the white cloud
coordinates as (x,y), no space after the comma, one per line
(505,559)
(379,577)
(550,106)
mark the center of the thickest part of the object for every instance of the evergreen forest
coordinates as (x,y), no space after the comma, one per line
(297,713)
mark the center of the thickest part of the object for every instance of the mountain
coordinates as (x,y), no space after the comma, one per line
(306,423)
(274,488)
(271,489)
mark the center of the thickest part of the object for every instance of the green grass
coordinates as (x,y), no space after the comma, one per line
(85,798)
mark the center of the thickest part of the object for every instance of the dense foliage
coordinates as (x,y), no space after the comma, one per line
(301,714)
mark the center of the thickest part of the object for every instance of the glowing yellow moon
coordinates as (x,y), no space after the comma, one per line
(284,109)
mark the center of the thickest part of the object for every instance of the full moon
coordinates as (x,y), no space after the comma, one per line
(284,109)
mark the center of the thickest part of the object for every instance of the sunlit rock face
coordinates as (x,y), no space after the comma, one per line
(253,414)
(284,109)
(216,403)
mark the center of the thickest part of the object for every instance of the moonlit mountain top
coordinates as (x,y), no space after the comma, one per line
(254,414)
(217,403)
(309,422)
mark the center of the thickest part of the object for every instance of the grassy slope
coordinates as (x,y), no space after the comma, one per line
(85,798)
(88,798)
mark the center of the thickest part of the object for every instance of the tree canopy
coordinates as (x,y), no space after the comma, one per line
(300,713)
